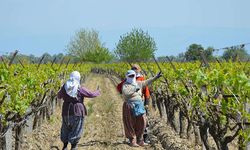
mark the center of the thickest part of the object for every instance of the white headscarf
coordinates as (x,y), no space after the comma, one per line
(72,85)
(131,80)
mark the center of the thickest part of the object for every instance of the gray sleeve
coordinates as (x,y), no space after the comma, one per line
(142,84)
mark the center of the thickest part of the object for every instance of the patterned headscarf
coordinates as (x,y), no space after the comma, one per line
(129,79)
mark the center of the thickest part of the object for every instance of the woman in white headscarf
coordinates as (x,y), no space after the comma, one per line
(73,109)
(134,119)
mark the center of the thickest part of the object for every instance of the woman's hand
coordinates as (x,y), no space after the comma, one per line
(159,74)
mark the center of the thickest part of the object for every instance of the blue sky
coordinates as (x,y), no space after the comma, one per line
(36,27)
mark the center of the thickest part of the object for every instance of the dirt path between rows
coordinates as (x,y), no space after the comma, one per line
(103,129)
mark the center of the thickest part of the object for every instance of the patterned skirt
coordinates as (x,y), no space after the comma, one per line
(133,126)
(72,129)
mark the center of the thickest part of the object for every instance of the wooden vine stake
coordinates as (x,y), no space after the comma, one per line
(40,61)
(13,57)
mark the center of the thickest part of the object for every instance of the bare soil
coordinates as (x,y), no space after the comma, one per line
(103,128)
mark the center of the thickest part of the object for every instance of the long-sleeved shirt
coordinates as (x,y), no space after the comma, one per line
(145,90)
(75,106)
(130,92)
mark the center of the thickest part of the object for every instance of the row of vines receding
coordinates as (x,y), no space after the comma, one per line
(200,99)
(28,97)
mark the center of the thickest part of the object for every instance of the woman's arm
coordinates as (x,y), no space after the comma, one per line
(149,81)
(142,84)
(87,93)
(60,93)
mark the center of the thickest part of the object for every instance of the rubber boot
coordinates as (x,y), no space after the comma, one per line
(65,146)
(74,146)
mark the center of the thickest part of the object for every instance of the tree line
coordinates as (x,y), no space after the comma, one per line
(134,46)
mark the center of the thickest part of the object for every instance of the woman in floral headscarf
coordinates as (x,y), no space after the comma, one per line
(73,109)
(134,119)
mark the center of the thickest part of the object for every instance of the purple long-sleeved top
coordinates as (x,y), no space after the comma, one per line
(75,106)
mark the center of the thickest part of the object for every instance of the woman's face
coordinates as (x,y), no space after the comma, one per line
(131,76)
(136,70)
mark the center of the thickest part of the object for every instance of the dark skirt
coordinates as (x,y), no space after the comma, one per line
(72,129)
(133,125)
